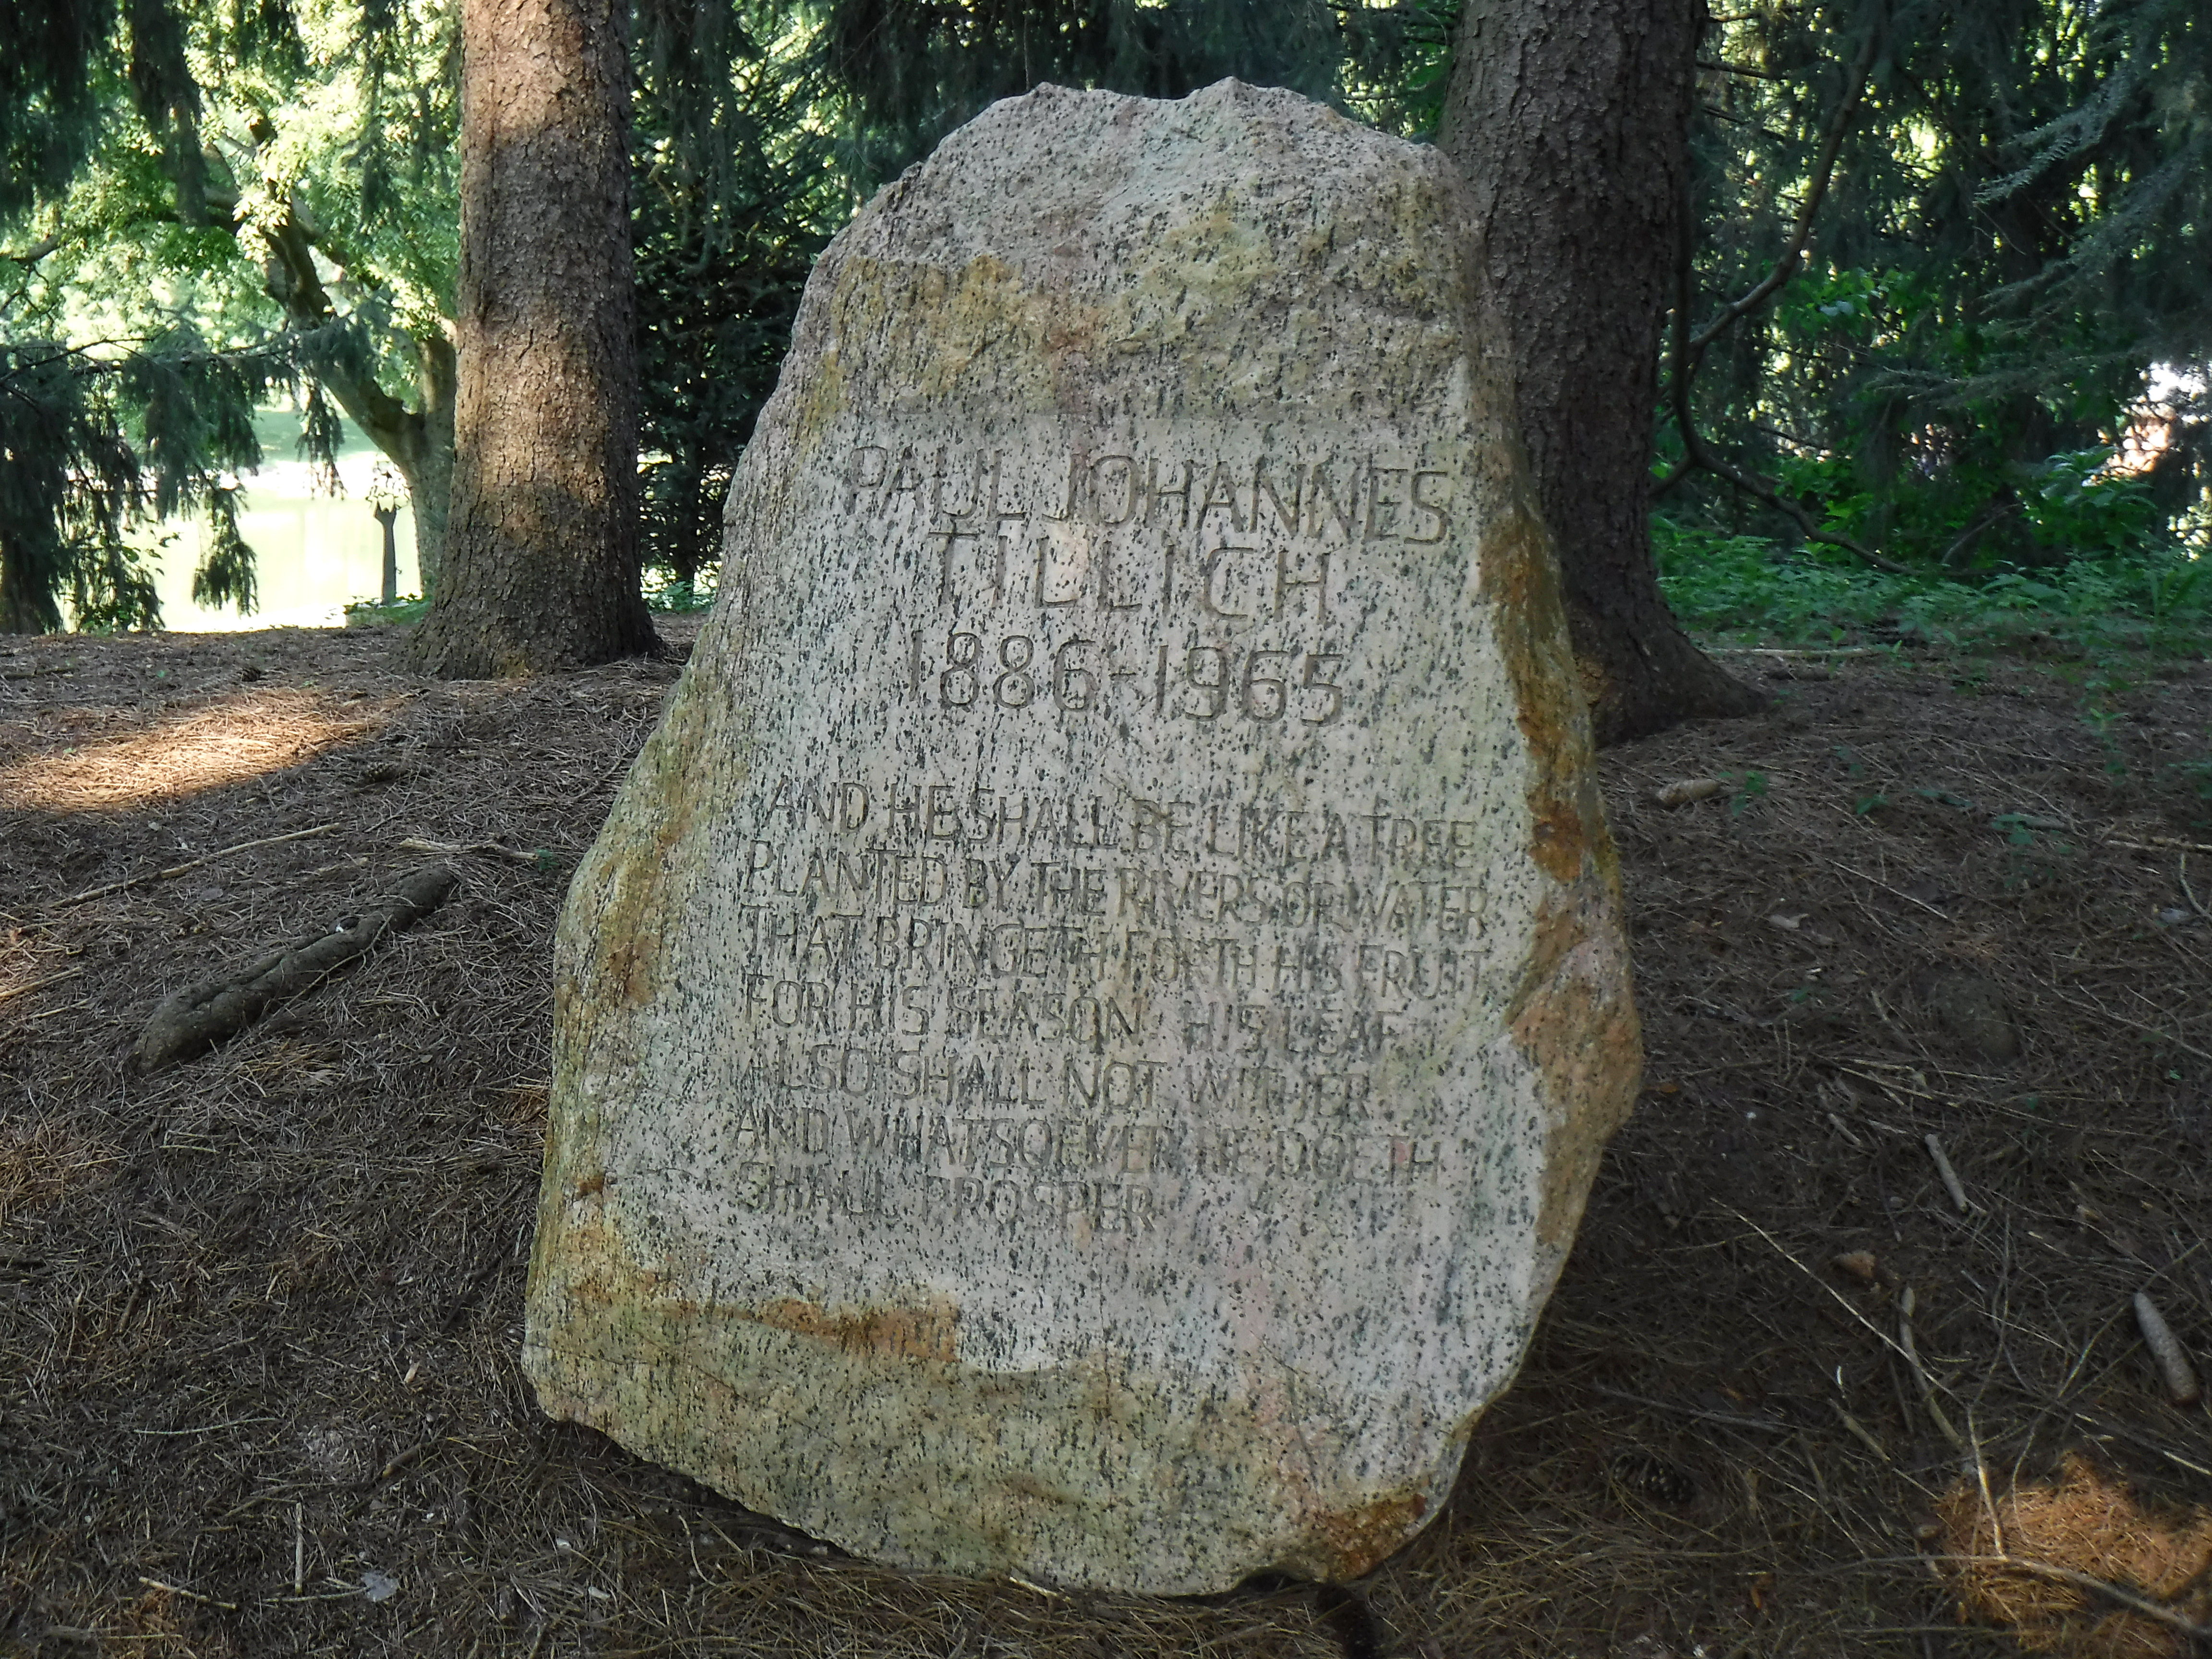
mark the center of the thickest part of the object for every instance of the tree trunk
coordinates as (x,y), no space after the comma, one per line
(419,443)
(388,590)
(542,547)
(1570,120)
(424,453)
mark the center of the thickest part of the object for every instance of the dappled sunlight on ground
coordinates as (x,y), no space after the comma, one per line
(296,1265)
(241,736)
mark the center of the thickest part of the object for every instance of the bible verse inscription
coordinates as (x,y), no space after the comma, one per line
(1043,1003)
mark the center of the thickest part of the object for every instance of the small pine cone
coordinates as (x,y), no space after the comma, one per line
(1649,1475)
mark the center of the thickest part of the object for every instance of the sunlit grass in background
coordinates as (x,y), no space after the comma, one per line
(316,551)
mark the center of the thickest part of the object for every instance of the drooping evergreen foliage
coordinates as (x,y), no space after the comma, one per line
(314,227)
(94,443)
(256,197)
(50,103)
(732,195)
(911,71)
(1951,258)
(2008,285)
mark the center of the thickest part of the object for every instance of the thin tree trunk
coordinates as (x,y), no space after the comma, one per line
(1570,119)
(542,547)
(388,590)
(424,455)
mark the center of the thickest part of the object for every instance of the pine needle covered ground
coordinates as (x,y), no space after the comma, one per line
(259,1313)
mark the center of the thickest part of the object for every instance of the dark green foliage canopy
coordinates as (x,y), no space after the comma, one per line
(912,70)
(51,102)
(732,197)
(2017,243)
(916,69)
(1947,250)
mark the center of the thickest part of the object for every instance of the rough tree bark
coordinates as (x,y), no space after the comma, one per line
(1570,120)
(542,546)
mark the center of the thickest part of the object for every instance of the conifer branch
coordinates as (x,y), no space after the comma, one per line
(1688,352)
(1824,168)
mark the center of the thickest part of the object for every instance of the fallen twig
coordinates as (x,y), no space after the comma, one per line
(1912,1353)
(1840,1299)
(1865,1435)
(1952,1184)
(2121,1432)
(538,859)
(1730,1420)
(38,984)
(2156,844)
(2189,892)
(197,1019)
(189,1595)
(403,1460)
(2132,1024)
(194,864)
(1886,888)
(1807,654)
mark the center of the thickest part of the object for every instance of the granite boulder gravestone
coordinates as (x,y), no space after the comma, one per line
(1083,1044)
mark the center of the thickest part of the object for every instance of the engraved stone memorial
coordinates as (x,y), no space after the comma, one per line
(1083,1044)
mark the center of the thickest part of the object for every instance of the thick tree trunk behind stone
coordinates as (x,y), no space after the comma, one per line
(1570,118)
(542,546)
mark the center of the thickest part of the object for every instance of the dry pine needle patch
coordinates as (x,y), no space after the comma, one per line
(2079,1522)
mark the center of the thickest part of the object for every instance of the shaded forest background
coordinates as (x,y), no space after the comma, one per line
(1936,376)
(1938,349)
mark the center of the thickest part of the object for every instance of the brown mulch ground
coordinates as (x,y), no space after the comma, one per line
(259,1315)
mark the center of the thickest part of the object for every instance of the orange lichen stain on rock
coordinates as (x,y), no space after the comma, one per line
(929,1333)
(630,964)
(1575,1021)
(1572,1015)
(629,874)
(1355,1542)
(1518,573)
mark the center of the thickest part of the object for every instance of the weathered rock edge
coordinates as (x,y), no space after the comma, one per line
(867,1424)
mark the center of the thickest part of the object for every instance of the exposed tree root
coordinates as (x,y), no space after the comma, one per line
(195,1020)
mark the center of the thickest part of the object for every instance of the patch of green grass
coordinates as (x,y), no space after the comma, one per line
(401,613)
(672,595)
(2101,619)
(2159,601)
(1751,788)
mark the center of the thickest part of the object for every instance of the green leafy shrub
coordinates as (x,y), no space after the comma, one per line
(2125,590)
